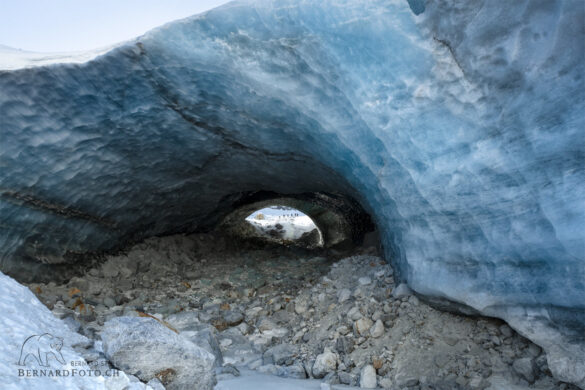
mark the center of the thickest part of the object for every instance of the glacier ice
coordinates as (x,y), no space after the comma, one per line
(460,129)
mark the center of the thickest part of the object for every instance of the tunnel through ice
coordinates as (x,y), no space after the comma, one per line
(284,224)
(339,220)
(456,159)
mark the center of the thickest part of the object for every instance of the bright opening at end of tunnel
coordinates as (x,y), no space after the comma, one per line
(286,224)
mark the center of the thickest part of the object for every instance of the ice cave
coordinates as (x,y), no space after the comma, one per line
(438,146)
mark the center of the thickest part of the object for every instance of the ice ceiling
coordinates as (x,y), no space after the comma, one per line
(460,130)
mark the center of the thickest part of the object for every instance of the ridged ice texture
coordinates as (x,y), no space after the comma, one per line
(461,130)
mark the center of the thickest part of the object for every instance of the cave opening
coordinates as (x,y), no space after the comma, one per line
(285,225)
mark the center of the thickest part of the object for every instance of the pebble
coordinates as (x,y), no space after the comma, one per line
(109,302)
(363,325)
(233,317)
(226,343)
(265,324)
(324,363)
(296,371)
(354,313)
(377,330)
(344,345)
(343,295)
(525,368)
(402,290)
(343,330)
(368,377)
(506,331)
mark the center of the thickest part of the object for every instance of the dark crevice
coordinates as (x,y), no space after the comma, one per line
(53,208)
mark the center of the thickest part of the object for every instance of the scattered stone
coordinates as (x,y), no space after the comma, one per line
(344,345)
(345,378)
(377,330)
(270,369)
(402,290)
(386,383)
(282,354)
(363,325)
(244,328)
(296,371)
(354,313)
(506,331)
(265,324)
(450,339)
(229,369)
(224,343)
(155,384)
(343,295)
(478,383)
(534,350)
(109,302)
(525,368)
(232,317)
(324,363)
(219,324)
(343,330)
(368,377)
(301,308)
(441,360)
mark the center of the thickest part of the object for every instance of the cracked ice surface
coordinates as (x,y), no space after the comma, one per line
(460,130)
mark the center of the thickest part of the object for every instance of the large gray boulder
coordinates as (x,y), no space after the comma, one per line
(146,348)
(200,334)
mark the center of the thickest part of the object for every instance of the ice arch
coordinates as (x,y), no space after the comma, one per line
(341,220)
(460,131)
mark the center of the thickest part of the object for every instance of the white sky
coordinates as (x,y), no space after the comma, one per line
(79,25)
(274,212)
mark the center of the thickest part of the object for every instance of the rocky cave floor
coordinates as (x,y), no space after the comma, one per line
(294,313)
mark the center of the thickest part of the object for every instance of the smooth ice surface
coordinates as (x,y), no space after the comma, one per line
(23,315)
(250,380)
(461,130)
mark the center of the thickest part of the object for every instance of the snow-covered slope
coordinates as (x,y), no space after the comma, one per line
(23,316)
(460,130)
(11,58)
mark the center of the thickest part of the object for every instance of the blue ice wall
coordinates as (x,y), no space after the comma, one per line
(461,129)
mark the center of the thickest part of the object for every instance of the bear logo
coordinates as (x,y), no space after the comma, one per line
(40,347)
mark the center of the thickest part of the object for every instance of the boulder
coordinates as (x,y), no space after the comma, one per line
(200,334)
(148,349)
